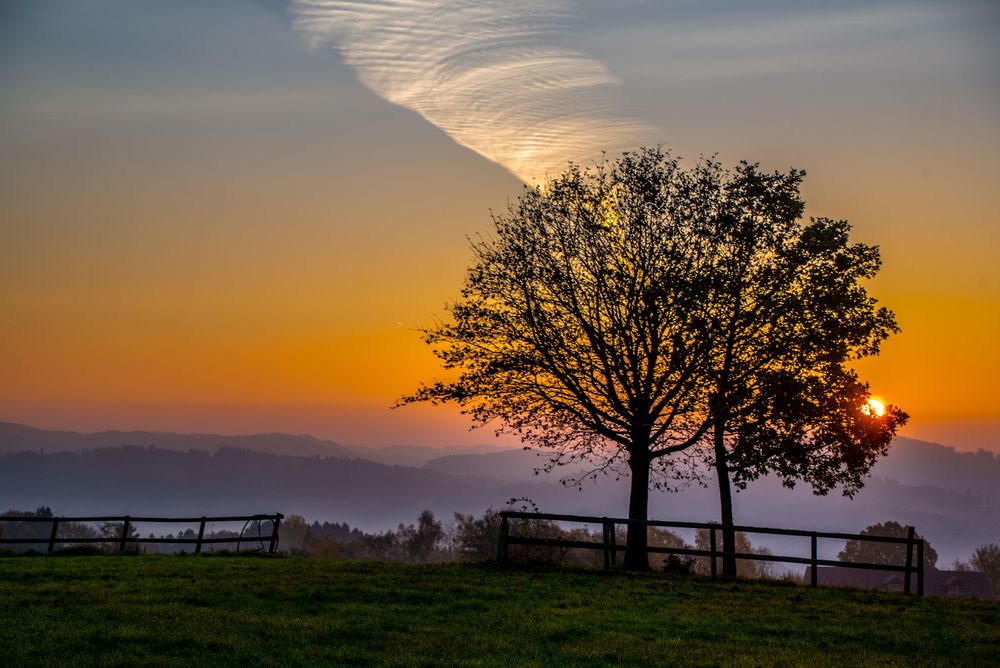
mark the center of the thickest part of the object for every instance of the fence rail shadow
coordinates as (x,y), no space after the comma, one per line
(127,522)
(611,547)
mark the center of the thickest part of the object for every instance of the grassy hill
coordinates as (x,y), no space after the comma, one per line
(291,611)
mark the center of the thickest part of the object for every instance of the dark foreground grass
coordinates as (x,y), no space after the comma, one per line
(243,611)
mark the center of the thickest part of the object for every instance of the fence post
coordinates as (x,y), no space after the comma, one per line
(608,532)
(275,523)
(814,576)
(52,536)
(201,534)
(614,546)
(711,548)
(124,536)
(502,541)
(909,559)
(920,567)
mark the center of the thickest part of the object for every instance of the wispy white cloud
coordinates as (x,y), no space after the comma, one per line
(484,71)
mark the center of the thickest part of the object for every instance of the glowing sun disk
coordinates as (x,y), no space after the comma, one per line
(874,407)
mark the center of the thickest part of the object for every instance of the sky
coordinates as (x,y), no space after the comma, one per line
(232,216)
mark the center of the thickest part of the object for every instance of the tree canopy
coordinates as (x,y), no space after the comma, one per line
(986,559)
(866,551)
(787,312)
(642,311)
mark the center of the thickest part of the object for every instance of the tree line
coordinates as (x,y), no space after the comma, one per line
(474,538)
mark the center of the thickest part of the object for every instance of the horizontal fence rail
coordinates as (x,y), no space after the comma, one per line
(610,547)
(128,522)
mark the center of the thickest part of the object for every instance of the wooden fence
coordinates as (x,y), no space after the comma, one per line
(611,548)
(127,522)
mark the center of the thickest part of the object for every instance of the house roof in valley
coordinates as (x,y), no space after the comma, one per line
(971,584)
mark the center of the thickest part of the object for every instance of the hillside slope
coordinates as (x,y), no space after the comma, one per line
(238,611)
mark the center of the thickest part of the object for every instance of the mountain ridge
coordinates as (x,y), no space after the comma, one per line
(17,437)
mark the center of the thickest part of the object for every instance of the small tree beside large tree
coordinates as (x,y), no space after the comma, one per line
(640,313)
(788,313)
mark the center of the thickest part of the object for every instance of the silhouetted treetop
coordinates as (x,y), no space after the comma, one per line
(641,309)
(864,551)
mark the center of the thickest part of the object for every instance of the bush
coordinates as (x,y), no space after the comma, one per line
(475,539)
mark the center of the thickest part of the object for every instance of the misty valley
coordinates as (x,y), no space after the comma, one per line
(950,496)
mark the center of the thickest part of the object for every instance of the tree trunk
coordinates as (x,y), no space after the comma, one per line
(726,502)
(636,557)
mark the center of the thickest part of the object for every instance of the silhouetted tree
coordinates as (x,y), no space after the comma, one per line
(871,552)
(745,568)
(423,540)
(113,530)
(660,537)
(986,559)
(788,313)
(384,546)
(292,533)
(580,326)
(620,314)
(340,532)
(408,543)
(25,530)
(476,537)
(537,528)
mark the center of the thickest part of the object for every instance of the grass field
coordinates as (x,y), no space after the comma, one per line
(293,611)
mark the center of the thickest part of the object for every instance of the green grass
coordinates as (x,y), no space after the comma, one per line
(293,611)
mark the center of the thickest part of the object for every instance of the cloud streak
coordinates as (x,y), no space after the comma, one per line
(484,71)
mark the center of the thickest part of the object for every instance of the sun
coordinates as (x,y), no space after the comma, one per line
(874,407)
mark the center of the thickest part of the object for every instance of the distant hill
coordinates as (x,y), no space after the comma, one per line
(17,437)
(921,463)
(508,465)
(158,481)
(953,498)
(421,455)
(910,462)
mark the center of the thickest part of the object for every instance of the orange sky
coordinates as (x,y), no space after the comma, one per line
(219,230)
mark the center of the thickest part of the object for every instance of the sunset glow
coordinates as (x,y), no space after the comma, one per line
(244,232)
(500,332)
(874,407)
